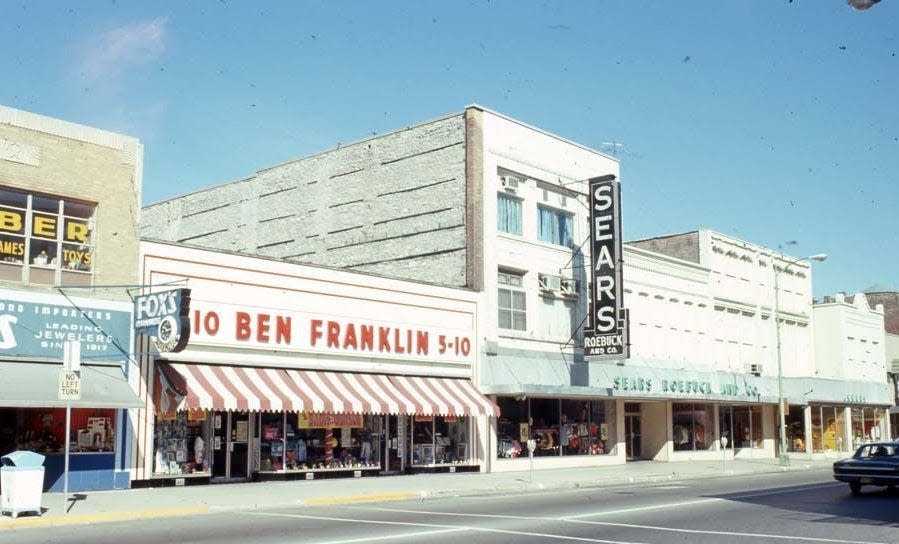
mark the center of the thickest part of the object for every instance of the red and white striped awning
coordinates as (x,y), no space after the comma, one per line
(217,387)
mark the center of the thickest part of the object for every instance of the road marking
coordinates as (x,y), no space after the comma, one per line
(544,536)
(415,535)
(724,533)
(644,508)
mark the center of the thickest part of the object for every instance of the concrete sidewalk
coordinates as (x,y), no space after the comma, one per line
(109,506)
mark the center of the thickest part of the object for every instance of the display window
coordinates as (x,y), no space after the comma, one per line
(828,428)
(43,430)
(331,441)
(49,234)
(439,440)
(693,426)
(795,429)
(742,425)
(182,444)
(558,427)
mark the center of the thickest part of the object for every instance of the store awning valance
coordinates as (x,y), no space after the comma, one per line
(36,385)
(182,386)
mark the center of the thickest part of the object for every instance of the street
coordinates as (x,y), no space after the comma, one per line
(789,507)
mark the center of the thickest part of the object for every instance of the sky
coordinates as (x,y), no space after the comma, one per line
(776,122)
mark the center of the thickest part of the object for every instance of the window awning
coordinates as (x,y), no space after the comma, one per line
(36,385)
(182,386)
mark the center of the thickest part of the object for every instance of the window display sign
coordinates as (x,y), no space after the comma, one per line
(606,334)
(306,420)
(58,231)
(38,325)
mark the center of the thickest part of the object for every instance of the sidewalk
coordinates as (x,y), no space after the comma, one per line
(108,506)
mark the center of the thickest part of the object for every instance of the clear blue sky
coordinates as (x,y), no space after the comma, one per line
(768,120)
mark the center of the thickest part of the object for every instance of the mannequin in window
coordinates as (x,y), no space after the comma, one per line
(41,259)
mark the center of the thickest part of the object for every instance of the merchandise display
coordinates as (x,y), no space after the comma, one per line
(180,446)
(43,430)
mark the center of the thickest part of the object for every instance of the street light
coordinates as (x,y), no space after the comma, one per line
(784,460)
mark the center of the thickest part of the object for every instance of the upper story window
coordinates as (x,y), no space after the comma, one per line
(508,214)
(45,239)
(512,302)
(555,227)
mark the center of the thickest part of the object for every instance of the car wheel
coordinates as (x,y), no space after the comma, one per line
(856,488)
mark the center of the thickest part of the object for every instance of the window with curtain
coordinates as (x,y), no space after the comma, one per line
(555,227)
(508,214)
(511,302)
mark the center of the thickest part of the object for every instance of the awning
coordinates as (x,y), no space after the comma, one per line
(183,386)
(35,385)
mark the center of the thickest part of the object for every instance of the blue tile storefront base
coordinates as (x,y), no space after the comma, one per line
(87,472)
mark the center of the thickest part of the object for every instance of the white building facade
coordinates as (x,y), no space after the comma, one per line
(482,201)
(851,349)
(304,372)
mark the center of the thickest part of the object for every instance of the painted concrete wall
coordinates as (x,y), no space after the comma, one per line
(394,204)
(850,340)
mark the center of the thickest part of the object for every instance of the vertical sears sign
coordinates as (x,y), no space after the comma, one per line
(165,316)
(606,334)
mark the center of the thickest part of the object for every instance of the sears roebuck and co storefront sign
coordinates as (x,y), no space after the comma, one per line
(606,335)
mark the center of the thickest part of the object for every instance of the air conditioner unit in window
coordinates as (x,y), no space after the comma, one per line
(548,283)
(509,182)
(568,287)
(756,369)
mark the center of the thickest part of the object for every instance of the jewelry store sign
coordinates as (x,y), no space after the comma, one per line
(606,335)
(39,324)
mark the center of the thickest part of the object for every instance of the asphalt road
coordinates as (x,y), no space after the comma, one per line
(793,508)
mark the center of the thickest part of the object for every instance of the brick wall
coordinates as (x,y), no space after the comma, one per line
(890,301)
(80,168)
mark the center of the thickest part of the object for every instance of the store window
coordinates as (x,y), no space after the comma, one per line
(512,301)
(272,440)
(43,430)
(795,429)
(512,427)
(693,426)
(555,227)
(181,446)
(43,238)
(328,441)
(440,440)
(828,429)
(558,427)
(508,214)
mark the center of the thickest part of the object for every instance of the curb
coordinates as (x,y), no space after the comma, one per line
(102,517)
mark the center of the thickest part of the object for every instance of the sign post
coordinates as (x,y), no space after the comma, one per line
(69,390)
(532,445)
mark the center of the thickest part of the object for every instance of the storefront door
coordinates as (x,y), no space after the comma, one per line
(632,436)
(231,445)
(393,444)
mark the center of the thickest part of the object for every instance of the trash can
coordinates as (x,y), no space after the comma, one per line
(22,482)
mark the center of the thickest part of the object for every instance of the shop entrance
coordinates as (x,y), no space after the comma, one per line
(633,435)
(231,445)
(393,445)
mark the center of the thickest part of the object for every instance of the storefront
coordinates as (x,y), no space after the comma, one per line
(617,413)
(34,327)
(836,421)
(298,372)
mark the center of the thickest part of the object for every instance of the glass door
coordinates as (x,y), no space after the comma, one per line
(220,445)
(231,445)
(632,436)
(393,445)
(239,445)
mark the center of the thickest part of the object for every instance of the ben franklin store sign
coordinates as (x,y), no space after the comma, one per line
(606,334)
